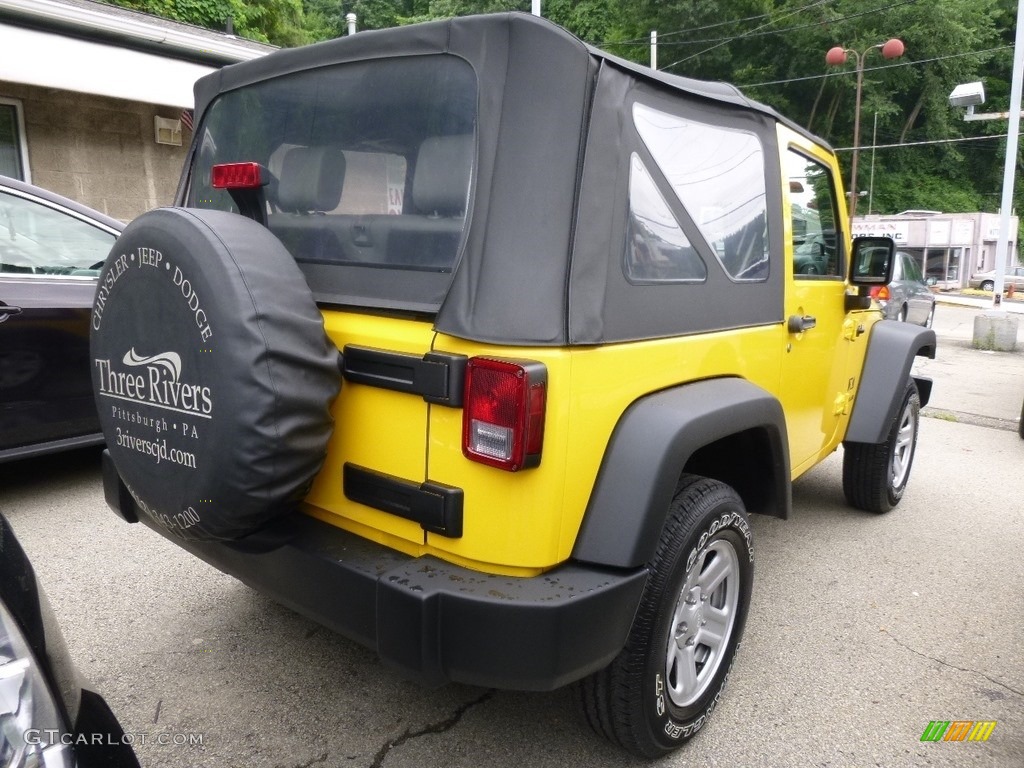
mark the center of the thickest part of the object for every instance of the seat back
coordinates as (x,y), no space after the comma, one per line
(311,179)
(440,186)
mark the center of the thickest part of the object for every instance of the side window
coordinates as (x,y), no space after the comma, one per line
(657,249)
(718,174)
(38,240)
(817,241)
(910,269)
(12,140)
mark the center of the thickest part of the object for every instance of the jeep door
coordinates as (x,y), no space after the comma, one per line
(817,385)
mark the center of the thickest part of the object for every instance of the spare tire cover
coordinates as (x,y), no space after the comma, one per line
(212,372)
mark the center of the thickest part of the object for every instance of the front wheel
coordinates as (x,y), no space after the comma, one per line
(988,285)
(1020,425)
(664,685)
(876,474)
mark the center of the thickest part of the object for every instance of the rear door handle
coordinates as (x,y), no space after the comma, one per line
(6,310)
(798,324)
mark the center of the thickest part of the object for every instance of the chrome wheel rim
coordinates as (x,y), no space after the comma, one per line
(903,450)
(703,621)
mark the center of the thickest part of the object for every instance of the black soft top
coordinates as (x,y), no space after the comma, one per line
(524,276)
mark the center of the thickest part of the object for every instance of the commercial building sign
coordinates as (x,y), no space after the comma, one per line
(897,230)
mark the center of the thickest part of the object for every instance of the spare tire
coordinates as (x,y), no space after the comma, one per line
(212,372)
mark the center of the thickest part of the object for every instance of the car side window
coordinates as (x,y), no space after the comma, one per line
(718,175)
(817,241)
(36,239)
(910,269)
(657,250)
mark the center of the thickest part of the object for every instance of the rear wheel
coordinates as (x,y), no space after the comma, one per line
(988,285)
(931,317)
(876,474)
(902,317)
(666,682)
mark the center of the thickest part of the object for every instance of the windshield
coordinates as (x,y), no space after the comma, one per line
(370,167)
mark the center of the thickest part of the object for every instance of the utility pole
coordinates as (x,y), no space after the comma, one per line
(1010,165)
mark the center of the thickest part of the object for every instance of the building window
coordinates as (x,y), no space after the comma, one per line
(13,152)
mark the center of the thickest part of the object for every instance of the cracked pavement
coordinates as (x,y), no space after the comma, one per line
(863,629)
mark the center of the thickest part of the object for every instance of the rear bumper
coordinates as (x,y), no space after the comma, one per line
(434,621)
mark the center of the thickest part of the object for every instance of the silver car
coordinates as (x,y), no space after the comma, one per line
(986,281)
(907,298)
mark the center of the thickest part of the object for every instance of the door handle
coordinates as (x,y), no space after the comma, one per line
(798,324)
(6,310)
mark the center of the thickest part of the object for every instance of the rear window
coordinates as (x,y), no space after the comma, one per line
(370,165)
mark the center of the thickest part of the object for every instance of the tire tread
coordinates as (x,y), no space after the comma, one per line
(608,697)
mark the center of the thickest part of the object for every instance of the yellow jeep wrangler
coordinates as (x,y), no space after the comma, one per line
(477,345)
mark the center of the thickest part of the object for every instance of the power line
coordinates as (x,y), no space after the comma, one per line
(644,40)
(843,72)
(753,33)
(922,143)
(759,31)
(766,32)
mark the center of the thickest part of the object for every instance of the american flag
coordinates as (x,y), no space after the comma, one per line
(186,118)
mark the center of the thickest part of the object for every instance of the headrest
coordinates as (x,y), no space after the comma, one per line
(311,179)
(441,181)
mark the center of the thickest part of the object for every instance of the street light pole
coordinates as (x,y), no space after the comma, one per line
(1010,164)
(891,49)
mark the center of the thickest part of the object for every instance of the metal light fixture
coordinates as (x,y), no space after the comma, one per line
(837,56)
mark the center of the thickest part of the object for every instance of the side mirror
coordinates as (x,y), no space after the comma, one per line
(873,261)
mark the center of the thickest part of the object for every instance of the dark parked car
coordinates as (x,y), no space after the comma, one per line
(51,249)
(907,298)
(47,717)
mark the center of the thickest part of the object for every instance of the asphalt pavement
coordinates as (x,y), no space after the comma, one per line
(971,385)
(863,629)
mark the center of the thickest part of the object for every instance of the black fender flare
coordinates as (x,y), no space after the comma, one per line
(654,441)
(891,352)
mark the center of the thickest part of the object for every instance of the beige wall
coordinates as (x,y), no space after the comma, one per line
(97,150)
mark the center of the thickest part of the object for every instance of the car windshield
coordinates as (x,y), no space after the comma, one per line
(369,171)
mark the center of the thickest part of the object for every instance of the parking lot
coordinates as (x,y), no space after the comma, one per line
(863,628)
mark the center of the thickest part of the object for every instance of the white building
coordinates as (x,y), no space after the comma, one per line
(91,97)
(950,247)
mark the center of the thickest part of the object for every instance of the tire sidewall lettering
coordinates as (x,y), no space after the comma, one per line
(674,729)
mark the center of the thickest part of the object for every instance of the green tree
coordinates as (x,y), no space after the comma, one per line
(773,50)
(275,21)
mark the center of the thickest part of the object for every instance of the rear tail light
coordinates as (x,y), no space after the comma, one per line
(237,176)
(880,292)
(503,412)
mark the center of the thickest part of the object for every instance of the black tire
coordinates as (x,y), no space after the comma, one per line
(902,316)
(875,475)
(988,285)
(1020,425)
(212,372)
(642,701)
(931,317)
